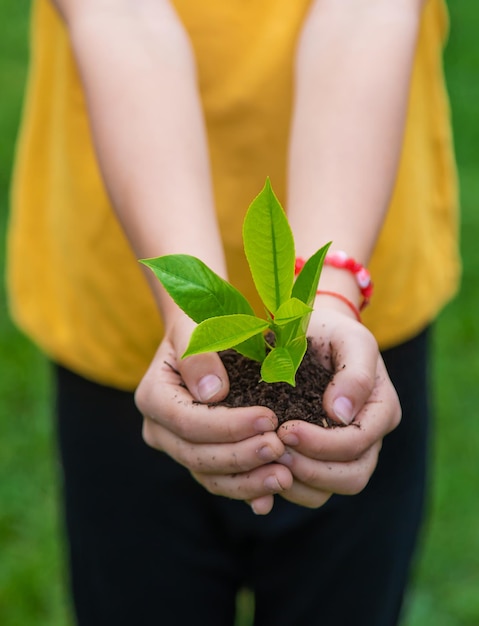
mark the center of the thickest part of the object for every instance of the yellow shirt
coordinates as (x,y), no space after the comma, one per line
(75,286)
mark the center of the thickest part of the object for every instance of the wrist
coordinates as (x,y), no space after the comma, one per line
(341,261)
(344,276)
(344,281)
(338,302)
(335,280)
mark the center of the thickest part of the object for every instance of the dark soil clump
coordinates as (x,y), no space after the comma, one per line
(305,401)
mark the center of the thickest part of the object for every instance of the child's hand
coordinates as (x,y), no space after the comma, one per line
(341,460)
(231,452)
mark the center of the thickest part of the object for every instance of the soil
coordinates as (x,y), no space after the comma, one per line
(305,401)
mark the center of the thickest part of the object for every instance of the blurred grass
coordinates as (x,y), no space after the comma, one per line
(32,588)
(32,591)
(447,581)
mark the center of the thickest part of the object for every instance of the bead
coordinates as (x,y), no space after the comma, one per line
(340,260)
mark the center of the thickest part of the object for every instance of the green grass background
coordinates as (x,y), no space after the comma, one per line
(445,591)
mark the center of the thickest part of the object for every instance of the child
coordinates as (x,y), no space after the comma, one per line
(149,127)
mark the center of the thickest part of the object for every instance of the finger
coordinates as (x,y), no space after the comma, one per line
(347,478)
(175,410)
(329,444)
(306,496)
(379,416)
(162,396)
(354,361)
(262,505)
(203,374)
(214,458)
(262,481)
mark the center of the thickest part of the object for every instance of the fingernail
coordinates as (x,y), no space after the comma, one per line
(257,510)
(343,409)
(290,439)
(272,483)
(286,459)
(253,508)
(264,425)
(266,454)
(208,386)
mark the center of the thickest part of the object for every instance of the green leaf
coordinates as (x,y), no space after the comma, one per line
(291,310)
(269,248)
(307,281)
(297,349)
(196,289)
(281,364)
(221,333)
(290,332)
(278,367)
(254,348)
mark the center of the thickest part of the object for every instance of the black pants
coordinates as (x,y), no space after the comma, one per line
(148,545)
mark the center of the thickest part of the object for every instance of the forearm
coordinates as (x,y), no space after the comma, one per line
(139,78)
(352,84)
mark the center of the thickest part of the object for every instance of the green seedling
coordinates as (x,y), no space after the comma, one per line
(224,316)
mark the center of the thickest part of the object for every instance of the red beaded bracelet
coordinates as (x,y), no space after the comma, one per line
(341,260)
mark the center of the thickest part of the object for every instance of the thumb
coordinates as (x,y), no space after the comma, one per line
(205,376)
(355,361)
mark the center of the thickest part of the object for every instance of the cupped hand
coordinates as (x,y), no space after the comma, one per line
(341,460)
(231,452)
